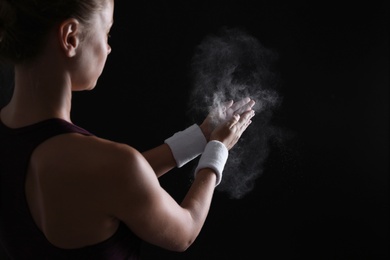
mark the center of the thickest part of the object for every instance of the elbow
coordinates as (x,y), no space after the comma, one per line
(181,243)
(183,246)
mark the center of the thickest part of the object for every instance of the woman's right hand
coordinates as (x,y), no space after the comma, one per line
(230,131)
(224,112)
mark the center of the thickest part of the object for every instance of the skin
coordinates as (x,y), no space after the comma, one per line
(79,193)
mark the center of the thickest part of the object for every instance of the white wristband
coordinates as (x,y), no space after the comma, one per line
(214,157)
(186,145)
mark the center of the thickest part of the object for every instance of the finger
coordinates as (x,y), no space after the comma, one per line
(247,116)
(242,128)
(248,123)
(248,106)
(234,120)
(228,104)
(241,103)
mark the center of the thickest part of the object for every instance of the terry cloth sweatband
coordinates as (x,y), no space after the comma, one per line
(186,145)
(214,157)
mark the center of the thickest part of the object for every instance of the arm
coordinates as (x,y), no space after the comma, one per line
(160,159)
(149,211)
(190,143)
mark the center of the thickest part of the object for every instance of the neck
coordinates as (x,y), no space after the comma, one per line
(41,92)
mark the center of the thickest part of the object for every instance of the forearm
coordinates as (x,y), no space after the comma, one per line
(199,196)
(198,199)
(208,175)
(161,159)
(177,150)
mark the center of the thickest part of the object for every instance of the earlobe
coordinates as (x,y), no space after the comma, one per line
(69,34)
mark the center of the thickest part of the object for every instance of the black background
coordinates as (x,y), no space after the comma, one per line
(323,194)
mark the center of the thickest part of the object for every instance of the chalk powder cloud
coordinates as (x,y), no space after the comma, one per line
(231,65)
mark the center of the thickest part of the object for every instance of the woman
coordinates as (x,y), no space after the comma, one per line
(66,193)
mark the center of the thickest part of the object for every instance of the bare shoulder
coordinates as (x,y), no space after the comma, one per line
(91,169)
(82,152)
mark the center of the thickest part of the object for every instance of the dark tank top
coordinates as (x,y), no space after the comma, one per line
(19,234)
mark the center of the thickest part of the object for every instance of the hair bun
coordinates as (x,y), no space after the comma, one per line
(7,19)
(7,16)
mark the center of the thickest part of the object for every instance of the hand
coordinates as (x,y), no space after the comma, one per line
(224,112)
(230,131)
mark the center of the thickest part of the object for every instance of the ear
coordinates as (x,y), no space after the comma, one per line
(69,34)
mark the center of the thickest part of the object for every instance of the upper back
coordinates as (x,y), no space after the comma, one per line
(44,176)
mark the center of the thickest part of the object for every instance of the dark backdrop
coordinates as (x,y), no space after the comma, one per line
(323,193)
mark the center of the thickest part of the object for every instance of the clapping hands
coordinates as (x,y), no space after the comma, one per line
(224,112)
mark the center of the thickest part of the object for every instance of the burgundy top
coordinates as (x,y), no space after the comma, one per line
(19,234)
